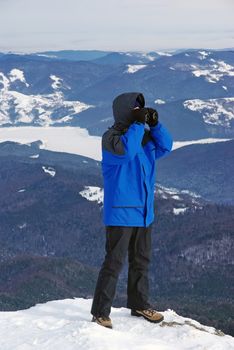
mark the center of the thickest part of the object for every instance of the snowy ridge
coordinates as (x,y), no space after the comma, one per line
(66,324)
(178,144)
(214,111)
(45,110)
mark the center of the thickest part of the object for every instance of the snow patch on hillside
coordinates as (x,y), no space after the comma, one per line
(159,101)
(148,56)
(21,190)
(49,170)
(93,193)
(58,83)
(17,74)
(173,192)
(133,68)
(66,324)
(161,53)
(34,156)
(213,72)
(203,55)
(178,211)
(218,112)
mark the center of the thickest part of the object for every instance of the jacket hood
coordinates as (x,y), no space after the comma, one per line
(123,104)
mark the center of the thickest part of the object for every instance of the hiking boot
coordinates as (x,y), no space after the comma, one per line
(102,321)
(150,315)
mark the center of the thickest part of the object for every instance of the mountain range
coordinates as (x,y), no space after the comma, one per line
(192,90)
(52,237)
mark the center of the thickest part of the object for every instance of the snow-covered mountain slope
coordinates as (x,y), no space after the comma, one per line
(62,90)
(66,324)
(213,71)
(19,108)
(218,112)
(70,139)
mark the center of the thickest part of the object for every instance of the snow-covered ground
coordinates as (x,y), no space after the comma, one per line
(68,139)
(66,324)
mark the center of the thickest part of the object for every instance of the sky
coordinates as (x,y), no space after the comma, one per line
(115,25)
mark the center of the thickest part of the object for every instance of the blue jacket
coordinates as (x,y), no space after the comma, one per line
(129,172)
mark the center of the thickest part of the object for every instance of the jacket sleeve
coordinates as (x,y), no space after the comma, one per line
(162,140)
(121,148)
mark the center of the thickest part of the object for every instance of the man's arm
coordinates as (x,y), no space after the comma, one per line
(119,149)
(162,140)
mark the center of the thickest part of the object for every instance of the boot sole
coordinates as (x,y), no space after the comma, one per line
(134,313)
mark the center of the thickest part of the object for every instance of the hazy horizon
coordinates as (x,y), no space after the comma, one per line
(137,51)
(149,25)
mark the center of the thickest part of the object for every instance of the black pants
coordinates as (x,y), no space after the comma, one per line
(120,240)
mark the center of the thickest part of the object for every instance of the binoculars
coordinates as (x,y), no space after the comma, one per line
(150,114)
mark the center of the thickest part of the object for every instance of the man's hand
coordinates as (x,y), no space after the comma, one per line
(139,114)
(151,117)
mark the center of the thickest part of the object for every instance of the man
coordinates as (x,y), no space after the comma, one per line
(129,152)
